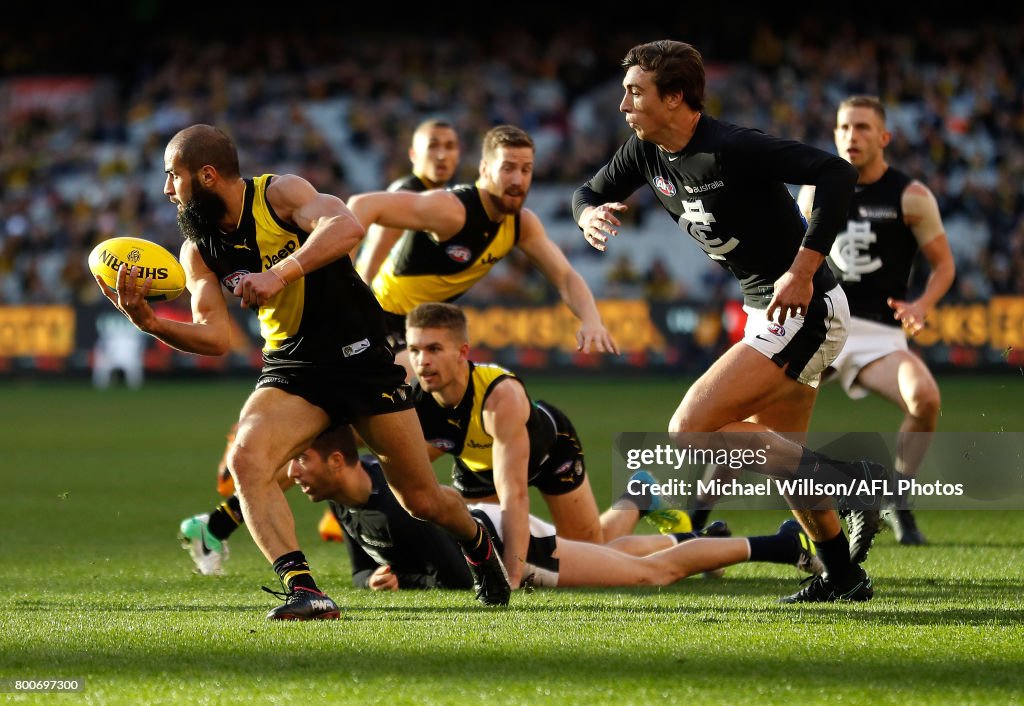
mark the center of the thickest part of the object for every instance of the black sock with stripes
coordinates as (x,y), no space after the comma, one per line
(478,548)
(294,571)
(226,518)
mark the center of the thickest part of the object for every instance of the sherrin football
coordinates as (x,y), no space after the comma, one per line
(153,260)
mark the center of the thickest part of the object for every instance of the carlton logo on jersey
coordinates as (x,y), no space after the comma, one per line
(459,253)
(696,223)
(850,251)
(664,186)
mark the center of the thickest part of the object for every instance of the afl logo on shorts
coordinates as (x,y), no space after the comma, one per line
(459,253)
(443,444)
(776,329)
(664,186)
(232,280)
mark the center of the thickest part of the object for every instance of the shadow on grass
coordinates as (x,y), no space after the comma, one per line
(912,601)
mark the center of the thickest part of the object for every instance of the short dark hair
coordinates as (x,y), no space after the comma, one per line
(200,145)
(431,123)
(339,438)
(865,101)
(677,66)
(439,315)
(505,136)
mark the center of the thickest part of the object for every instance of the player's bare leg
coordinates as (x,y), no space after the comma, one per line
(740,386)
(273,427)
(575,514)
(903,379)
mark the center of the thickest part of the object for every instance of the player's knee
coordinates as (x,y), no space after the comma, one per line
(422,504)
(245,466)
(681,422)
(663,573)
(925,402)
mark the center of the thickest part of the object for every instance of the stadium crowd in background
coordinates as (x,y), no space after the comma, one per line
(81,156)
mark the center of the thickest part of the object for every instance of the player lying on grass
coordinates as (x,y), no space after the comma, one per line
(391,550)
(205,536)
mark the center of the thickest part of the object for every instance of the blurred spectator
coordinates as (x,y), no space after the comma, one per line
(659,285)
(623,279)
(81,157)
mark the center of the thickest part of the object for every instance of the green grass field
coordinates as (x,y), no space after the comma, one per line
(97,588)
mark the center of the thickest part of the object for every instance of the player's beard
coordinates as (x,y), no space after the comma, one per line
(509,202)
(202,215)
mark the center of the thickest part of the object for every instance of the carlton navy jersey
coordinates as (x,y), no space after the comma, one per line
(328,315)
(727,191)
(421,269)
(873,255)
(381,532)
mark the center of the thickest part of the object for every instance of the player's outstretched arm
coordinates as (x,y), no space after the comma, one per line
(547,257)
(439,213)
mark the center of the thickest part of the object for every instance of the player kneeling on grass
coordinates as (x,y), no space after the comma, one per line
(391,550)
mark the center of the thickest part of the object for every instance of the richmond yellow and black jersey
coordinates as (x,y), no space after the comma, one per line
(328,315)
(459,430)
(420,269)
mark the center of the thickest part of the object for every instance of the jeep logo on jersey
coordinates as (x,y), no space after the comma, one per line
(443,444)
(776,329)
(664,186)
(850,251)
(232,280)
(459,253)
(696,223)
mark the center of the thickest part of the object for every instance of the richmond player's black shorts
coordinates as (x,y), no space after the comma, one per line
(346,392)
(561,471)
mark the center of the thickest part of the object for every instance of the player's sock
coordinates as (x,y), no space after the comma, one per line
(699,514)
(835,555)
(294,571)
(226,518)
(478,548)
(642,502)
(899,501)
(775,548)
(822,468)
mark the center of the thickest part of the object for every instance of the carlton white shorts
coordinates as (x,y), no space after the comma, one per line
(541,567)
(868,341)
(808,343)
